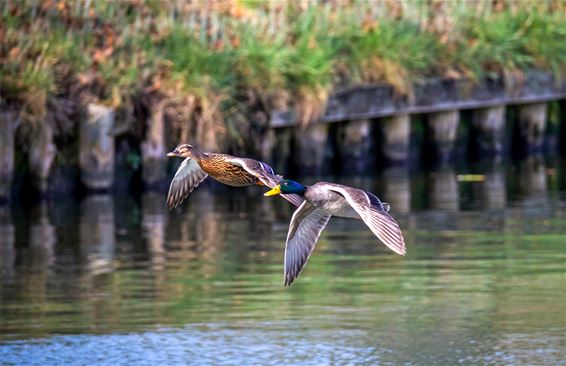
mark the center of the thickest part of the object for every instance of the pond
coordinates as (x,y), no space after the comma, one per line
(119,280)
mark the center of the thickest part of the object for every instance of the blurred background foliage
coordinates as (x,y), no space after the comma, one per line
(227,64)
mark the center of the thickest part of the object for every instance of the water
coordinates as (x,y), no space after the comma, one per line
(118,280)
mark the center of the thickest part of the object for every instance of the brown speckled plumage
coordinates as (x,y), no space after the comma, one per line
(218,167)
(226,169)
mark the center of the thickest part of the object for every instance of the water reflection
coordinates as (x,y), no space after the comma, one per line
(443,191)
(7,243)
(154,223)
(42,237)
(532,179)
(491,193)
(96,232)
(397,189)
(125,273)
(200,231)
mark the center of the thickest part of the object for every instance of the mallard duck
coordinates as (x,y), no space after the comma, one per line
(227,169)
(323,200)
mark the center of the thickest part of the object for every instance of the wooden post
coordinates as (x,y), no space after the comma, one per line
(532,126)
(41,155)
(442,130)
(310,148)
(97,147)
(396,138)
(8,123)
(488,126)
(355,146)
(153,147)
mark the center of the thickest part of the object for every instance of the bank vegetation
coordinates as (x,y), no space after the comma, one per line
(218,69)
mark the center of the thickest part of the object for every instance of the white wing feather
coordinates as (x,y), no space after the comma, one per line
(374,215)
(305,228)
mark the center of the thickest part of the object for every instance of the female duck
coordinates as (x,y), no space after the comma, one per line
(227,169)
(323,200)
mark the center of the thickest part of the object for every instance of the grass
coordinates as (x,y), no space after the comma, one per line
(509,41)
(394,52)
(222,62)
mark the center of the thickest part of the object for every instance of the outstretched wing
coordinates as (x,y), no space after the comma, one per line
(374,215)
(266,175)
(304,230)
(188,177)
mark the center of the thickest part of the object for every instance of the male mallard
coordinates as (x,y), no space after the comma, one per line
(227,169)
(323,200)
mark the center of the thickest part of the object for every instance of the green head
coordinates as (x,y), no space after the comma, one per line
(287,186)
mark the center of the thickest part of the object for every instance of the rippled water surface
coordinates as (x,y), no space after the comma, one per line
(120,280)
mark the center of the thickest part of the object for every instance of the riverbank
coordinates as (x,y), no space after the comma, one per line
(134,78)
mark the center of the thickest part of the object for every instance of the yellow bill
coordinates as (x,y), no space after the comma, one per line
(276,190)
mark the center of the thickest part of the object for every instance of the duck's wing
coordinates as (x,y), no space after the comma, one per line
(374,215)
(304,230)
(266,175)
(188,177)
